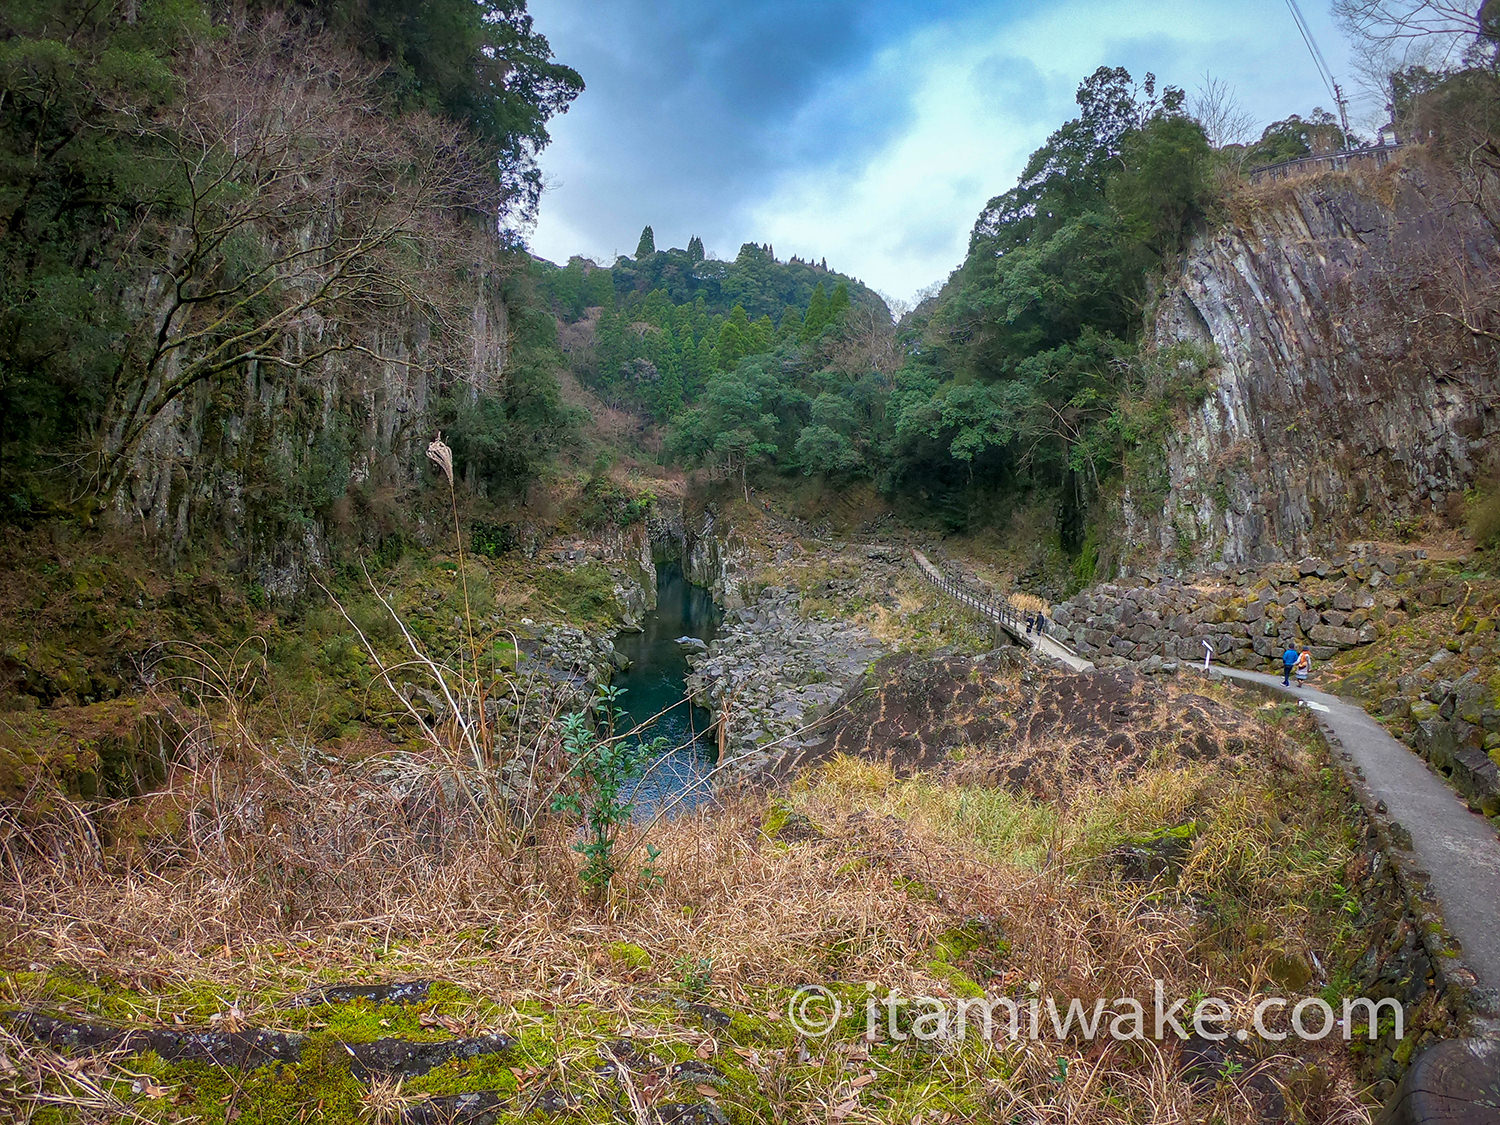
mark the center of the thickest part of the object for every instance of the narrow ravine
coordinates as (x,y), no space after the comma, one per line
(655,692)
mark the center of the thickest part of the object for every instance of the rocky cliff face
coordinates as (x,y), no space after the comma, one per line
(265,460)
(1346,398)
(713,554)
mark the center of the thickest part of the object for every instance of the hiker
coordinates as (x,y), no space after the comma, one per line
(1288,661)
(1303,667)
(1028,624)
(1041,624)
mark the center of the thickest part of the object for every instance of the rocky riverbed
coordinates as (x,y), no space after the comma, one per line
(772,674)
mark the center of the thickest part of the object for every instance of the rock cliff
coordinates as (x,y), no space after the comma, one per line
(1346,395)
(266,460)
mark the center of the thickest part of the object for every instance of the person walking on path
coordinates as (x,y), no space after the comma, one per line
(1289,660)
(1303,667)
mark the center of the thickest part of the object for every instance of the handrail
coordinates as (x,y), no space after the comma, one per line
(1335,160)
(1004,613)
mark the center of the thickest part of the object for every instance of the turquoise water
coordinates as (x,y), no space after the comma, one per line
(654,686)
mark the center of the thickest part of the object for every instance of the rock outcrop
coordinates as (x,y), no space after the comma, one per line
(267,462)
(771,675)
(1345,397)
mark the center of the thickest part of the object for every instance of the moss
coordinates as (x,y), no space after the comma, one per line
(270,1095)
(957,980)
(468,1076)
(631,956)
(776,818)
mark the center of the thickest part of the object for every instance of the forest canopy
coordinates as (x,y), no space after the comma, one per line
(186,189)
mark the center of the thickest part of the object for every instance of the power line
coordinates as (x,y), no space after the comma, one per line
(1312,47)
(1325,72)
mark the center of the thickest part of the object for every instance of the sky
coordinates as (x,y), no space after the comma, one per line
(867,132)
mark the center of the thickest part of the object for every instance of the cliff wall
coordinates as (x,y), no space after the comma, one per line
(274,459)
(1347,395)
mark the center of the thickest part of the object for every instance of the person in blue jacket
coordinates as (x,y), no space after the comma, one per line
(1288,662)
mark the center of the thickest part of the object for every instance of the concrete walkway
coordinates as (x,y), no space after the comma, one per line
(1457,848)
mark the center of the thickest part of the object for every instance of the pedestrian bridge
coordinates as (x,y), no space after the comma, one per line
(1003,614)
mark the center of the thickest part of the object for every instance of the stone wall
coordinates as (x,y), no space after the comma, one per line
(1443,700)
(1456,726)
(1326,605)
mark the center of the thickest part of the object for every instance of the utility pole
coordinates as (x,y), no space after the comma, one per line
(1342,103)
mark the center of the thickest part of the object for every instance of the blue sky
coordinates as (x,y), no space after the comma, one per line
(868,133)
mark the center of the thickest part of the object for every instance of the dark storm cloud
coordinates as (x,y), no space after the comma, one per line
(690,108)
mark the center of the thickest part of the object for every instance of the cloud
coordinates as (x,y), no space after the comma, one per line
(870,134)
(685,111)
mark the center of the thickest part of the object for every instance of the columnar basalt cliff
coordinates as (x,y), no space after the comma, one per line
(349,428)
(1351,390)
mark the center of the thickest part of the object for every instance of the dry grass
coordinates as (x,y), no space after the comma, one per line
(1028,603)
(361,882)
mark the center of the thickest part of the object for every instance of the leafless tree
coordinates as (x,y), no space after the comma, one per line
(1215,106)
(1442,28)
(302,215)
(866,341)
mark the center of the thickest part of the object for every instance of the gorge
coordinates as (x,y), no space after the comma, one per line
(441,684)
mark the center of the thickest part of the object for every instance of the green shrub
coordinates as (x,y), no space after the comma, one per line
(1484,515)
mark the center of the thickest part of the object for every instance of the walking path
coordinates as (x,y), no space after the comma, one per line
(1456,847)
(1004,615)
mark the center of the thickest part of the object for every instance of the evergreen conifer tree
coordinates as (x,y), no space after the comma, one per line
(838,304)
(817,314)
(647,245)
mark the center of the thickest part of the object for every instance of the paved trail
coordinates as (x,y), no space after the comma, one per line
(1456,847)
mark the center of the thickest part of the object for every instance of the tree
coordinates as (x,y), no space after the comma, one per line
(1294,137)
(647,244)
(1165,185)
(250,201)
(736,339)
(1215,107)
(737,426)
(261,149)
(478,62)
(816,317)
(695,249)
(1448,28)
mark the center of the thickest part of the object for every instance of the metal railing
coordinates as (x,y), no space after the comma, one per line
(1379,155)
(1001,613)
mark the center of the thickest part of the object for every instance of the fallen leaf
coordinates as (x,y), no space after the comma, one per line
(863,1080)
(706,1091)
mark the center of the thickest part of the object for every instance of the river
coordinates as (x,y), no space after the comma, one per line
(655,683)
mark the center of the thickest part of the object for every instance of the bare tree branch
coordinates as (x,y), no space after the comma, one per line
(310,218)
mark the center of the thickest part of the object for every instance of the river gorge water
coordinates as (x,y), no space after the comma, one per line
(655,693)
